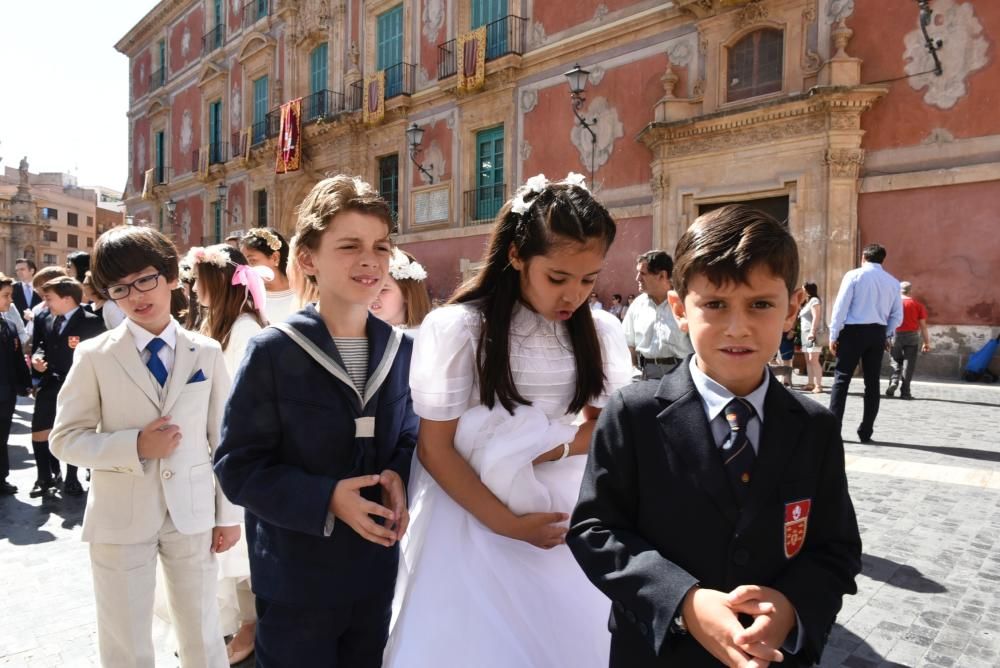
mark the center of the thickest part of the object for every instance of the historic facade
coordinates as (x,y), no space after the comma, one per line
(827,113)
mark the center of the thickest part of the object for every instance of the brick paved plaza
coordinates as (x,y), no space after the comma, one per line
(927,495)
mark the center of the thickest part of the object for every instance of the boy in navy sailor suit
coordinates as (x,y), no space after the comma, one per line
(714,511)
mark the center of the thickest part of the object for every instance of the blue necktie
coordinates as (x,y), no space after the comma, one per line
(155,364)
(737,452)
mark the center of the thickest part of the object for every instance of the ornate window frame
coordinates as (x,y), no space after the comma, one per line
(725,48)
(256,57)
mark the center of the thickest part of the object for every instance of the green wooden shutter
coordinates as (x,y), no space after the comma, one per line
(259,109)
(215,131)
(218,222)
(161,176)
(489,183)
(492,14)
(219,27)
(389,52)
(388,182)
(317,102)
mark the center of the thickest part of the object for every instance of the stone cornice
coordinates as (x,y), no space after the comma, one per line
(158,17)
(783,117)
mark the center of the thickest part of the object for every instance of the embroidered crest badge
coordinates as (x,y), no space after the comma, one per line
(73,342)
(796,522)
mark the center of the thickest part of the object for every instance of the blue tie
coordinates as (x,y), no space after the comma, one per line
(737,452)
(155,364)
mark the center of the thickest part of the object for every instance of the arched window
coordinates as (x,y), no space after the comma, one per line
(755,64)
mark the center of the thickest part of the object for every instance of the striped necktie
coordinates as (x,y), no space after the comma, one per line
(737,452)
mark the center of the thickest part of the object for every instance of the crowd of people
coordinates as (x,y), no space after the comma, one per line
(332,472)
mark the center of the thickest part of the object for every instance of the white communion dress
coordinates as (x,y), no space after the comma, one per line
(466,596)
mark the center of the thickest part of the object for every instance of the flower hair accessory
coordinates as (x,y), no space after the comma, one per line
(537,184)
(211,255)
(252,278)
(402,267)
(269,237)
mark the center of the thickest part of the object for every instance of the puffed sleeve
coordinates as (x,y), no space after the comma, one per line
(443,367)
(614,353)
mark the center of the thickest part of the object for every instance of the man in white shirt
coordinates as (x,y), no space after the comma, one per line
(654,338)
(865,316)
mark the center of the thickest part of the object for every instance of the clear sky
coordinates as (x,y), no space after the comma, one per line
(64,88)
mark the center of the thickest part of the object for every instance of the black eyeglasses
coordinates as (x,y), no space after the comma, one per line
(142,284)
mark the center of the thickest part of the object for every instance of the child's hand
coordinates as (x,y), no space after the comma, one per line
(350,507)
(158,439)
(224,538)
(774,619)
(394,497)
(39,364)
(713,623)
(544,530)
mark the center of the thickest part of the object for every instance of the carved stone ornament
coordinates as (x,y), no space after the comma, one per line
(658,184)
(840,10)
(844,162)
(698,8)
(738,137)
(185,227)
(669,80)
(752,13)
(529,100)
(681,52)
(608,128)
(536,34)
(525,151)
(841,36)
(845,121)
(596,74)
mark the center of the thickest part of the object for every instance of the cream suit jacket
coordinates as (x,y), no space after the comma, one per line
(108,397)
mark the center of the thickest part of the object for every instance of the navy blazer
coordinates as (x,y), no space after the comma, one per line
(288,437)
(15,378)
(657,515)
(22,303)
(58,347)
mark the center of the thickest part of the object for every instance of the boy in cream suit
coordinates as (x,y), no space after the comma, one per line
(142,406)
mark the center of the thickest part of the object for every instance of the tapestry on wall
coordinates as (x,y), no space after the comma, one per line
(289,136)
(373,104)
(147,183)
(203,162)
(471,60)
(246,139)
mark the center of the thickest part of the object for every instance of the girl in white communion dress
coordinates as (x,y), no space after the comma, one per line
(498,378)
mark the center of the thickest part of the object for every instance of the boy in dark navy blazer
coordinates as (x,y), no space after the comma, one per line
(54,341)
(15,379)
(714,512)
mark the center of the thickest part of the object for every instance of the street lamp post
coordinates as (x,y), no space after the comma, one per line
(414,137)
(577,83)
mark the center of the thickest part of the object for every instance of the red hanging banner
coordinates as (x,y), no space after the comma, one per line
(289,138)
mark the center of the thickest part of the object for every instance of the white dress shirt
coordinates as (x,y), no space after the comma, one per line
(142,337)
(652,330)
(869,295)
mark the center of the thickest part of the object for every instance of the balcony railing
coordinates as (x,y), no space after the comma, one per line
(161,175)
(399,79)
(218,152)
(213,39)
(254,11)
(157,79)
(355,96)
(504,37)
(483,203)
(322,104)
(269,127)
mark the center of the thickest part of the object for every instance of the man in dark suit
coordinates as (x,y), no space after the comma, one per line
(56,336)
(714,510)
(24,295)
(14,379)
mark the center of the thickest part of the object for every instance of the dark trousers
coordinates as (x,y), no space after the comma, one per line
(352,635)
(6,419)
(865,344)
(43,418)
(905,347)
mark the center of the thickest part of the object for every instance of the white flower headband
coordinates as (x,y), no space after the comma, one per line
(269,237)
(402,267)
(537,184)
(251,278)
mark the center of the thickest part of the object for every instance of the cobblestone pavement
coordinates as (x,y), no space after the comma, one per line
(927,494)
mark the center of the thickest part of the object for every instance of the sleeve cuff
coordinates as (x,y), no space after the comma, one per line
(331,520)
(795,640)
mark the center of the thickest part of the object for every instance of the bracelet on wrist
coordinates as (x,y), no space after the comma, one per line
(565,451)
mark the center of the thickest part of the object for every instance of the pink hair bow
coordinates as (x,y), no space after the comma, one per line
(253,279)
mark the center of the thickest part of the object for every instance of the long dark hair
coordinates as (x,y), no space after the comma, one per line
(560,214)
(226,302)
(811,290)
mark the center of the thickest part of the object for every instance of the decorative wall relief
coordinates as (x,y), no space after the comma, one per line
(536,35)
(433,18)
(186,42)
(599,14)
(236,6)
(608,128)
(525,151)
(529,100)
(187,131)
(596,74)
(844,162)
(186,227)
(235,106)
(839,10)
(140,158)
(434,162)
(142,73)
(963,52)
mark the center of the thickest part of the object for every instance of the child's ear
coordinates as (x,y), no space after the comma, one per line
(514,259)
(794,304)
(677,306)
(305,261)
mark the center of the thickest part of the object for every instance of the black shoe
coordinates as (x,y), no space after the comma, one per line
(7,488)
(88,475)
(908,397)
(41,488)
(57,481)
(864,438)
(891,390)
(73,488)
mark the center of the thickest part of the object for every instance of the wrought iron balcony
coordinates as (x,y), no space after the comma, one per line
(322,104)
(399,79)
(504,37)
(213,39)
(254,11)
(355,96)
(218,152)
(482,204)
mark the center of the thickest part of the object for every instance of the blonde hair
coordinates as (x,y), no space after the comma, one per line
(304,290)
(328,198)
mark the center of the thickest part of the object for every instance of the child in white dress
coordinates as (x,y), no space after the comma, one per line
(498,379)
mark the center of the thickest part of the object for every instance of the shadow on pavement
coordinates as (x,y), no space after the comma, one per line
(21,522)
(846,649)
(964,453)
(899,575)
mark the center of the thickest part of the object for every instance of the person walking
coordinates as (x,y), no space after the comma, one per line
(865,315)
(811,326)
(904,346)
(654,338)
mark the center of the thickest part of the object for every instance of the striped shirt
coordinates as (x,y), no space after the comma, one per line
(354,351)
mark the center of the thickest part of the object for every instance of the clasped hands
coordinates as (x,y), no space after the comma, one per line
(356,511)
(711,618)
